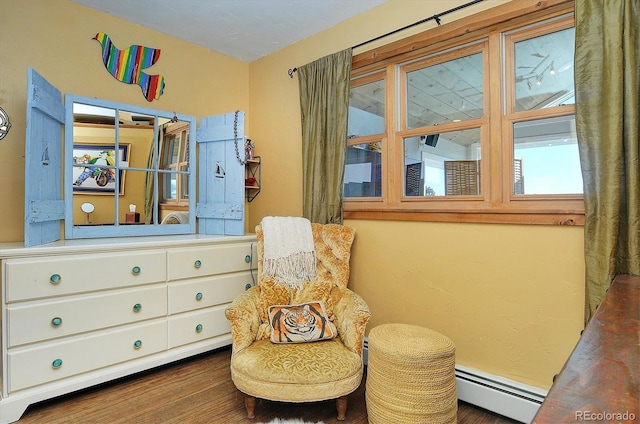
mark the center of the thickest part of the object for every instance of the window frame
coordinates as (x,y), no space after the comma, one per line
(379,75)
(497,203)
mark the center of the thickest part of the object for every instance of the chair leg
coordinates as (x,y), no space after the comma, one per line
(341,406)
(250,405)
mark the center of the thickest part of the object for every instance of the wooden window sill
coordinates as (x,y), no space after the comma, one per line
(484,217)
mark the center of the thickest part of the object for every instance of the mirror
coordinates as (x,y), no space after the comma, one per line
(134,165)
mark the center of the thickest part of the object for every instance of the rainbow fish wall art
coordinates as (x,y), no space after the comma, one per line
(127,65)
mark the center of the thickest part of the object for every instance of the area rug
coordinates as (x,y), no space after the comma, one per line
(294,421)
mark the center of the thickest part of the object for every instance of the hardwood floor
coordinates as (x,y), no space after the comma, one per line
(200,391)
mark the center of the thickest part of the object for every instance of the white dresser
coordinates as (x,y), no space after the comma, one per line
(82,312)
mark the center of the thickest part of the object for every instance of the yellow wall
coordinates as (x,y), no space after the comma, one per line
(509,296)
(55,38)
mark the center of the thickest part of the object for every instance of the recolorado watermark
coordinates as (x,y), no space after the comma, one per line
(605,416)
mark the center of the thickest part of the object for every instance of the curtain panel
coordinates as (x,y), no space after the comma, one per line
(607,74)
(324,103)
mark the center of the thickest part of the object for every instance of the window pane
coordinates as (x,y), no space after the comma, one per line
(366,109)
(363,170)
(170,181)
(172,145)
(184,183)
(446,92)
(546,153)
(446,164)
(544,71)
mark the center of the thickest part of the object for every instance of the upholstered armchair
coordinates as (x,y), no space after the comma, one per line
(301,372)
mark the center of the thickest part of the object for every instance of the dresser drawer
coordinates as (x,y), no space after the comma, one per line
(52,361)
(43,320)
(199,262)
(45,277)
(192,327)
(208,291)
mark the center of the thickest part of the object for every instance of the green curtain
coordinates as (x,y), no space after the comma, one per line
(324,103)
(607,74)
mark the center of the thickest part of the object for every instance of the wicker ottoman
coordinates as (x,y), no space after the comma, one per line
(410,376)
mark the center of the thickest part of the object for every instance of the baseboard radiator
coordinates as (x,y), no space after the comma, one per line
(506,397)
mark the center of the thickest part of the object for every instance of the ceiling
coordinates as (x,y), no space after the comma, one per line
(243,29)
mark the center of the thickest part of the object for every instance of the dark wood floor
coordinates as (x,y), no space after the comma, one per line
(200,391)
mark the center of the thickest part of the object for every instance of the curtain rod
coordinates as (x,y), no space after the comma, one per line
(435,17)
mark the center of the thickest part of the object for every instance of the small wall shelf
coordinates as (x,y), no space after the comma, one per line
(253,177)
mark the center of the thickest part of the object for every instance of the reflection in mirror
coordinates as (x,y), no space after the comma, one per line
(444,164)
(133,167)
(174,167)
(87,208)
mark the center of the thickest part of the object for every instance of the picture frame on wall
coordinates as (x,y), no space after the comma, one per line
(94,168)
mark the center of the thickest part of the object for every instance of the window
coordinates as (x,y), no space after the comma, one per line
(477,127)
(367,126)
(542,128)
(175,165)
(440,93)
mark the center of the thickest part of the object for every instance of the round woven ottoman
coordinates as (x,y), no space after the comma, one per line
(410,376)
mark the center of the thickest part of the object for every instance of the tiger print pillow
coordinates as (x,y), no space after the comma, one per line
(306,322)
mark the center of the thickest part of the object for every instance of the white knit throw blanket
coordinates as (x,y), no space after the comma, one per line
(289,253)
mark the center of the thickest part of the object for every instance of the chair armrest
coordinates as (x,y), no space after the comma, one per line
(244,318)
(352,315)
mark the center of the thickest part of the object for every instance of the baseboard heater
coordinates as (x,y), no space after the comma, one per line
(506,397)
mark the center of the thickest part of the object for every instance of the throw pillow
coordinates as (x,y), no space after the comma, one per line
(306,322)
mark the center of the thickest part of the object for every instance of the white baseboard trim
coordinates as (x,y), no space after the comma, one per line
(497,394)
(503,396)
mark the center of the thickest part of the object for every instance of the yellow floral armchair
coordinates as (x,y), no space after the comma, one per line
(301,372)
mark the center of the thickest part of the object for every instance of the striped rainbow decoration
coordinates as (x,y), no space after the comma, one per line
(127,65)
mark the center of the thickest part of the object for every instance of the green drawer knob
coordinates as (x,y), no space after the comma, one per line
(197,263)
(137,344)
(55,279)
(137,307)
(199,296)
(135,270)
(247,258)
(56,321)
(57,363)
(247,286)
(198,328)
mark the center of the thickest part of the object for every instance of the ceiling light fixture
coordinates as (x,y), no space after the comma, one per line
(537,72)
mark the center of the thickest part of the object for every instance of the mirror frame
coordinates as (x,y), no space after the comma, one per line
(119,229)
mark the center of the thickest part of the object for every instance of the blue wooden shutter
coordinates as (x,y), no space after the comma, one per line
(44,207)
(220,207)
